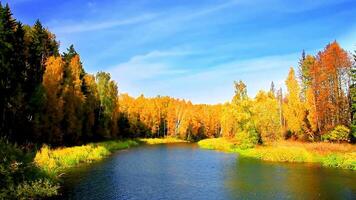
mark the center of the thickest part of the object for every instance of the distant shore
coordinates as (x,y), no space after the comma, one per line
(327,154)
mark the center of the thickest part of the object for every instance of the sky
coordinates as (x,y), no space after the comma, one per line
(193,49)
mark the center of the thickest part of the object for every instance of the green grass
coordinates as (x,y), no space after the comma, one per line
(338,157)
(345,161)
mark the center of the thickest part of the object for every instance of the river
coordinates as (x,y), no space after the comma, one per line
(183,171)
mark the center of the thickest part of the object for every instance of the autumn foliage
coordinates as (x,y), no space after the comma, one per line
(47,97)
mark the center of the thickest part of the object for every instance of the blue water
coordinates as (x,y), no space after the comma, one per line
(183,171)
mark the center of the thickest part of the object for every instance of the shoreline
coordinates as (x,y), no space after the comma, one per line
(293,152)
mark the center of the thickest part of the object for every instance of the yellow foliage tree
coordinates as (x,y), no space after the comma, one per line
(293,108)
(52,81)
(266,116)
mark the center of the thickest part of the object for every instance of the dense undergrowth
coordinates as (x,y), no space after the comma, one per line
(20,178)
(327,154)
(27,174)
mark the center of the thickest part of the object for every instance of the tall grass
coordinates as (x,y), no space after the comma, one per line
(329,155)
(220,144)
(161,140)
(56,161)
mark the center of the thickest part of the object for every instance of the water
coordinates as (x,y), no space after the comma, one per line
(183,171)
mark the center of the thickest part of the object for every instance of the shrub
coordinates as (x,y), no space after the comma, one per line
(36,189)
(247,139)
(339,134)
(19,178)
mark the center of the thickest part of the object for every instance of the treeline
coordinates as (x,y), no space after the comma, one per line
(47,97)
(319,104)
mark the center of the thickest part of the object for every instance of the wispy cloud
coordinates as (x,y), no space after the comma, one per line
(133,74)
(195,49)
(95,26)
(151,75)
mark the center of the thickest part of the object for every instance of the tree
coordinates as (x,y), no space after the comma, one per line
(305,65)
(8,78)
(53,113)
(353,98)
(240,91)
(91,107)
(73,101)
(293,109)
(107,91)
(272,89)
(330,81)
(266,116)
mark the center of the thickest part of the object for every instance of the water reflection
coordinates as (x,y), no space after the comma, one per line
(183,171)
(254,179)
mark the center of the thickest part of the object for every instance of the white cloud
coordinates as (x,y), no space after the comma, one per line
(152,75)
(133,74)
(94,26)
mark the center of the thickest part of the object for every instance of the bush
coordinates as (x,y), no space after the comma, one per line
(36,189)
(339,134)
(19,178)
(247,139)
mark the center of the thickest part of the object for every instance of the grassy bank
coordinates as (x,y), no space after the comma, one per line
(327,154)
(161,140)
(54,162)
(26,174)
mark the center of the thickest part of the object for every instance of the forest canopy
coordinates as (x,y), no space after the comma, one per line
(47,97)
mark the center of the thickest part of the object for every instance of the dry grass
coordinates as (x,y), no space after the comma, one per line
(321,148)
(327,154)
(161,140)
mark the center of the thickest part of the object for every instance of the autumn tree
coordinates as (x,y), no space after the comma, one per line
(73,100)
(293,108)
(266,116)
(330,83)
(53,112)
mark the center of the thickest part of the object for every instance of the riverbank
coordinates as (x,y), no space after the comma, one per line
(327,154)
(55,162)
(31,174)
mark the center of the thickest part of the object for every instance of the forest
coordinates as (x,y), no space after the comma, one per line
(48,98)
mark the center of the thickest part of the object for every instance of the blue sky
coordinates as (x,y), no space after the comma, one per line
(193,49)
